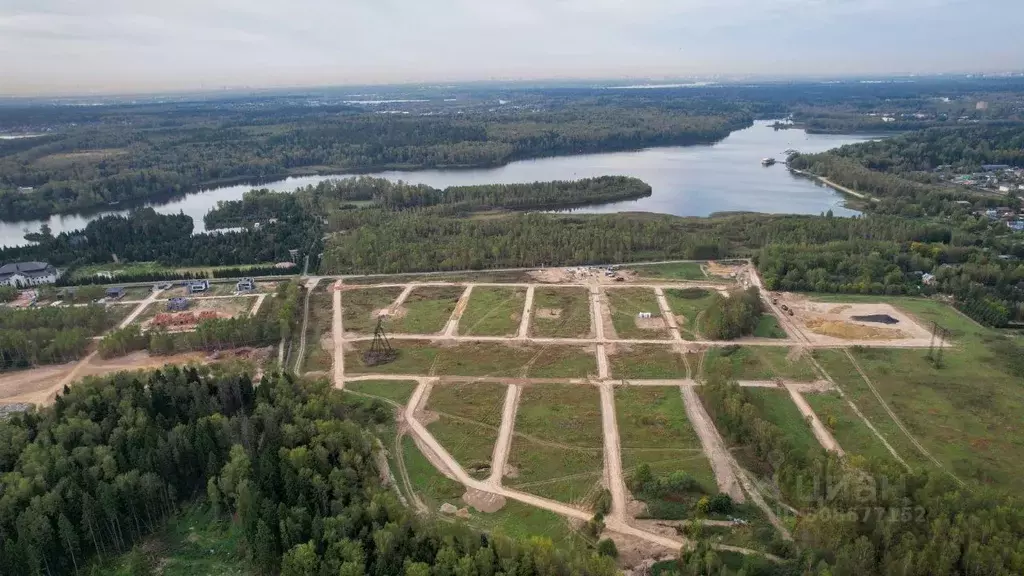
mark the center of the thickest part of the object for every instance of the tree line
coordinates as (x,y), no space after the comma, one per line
(51,335)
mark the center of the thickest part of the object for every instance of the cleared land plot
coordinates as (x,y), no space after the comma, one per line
(493,311)
(626,304)
(561,313)
(360,307)
(654,430)
(776,406)
(224,307)
(687,304)
(768,327)
(398,391)
(468,422)
(848,429)
(676,271)
(480,359)
(760,363)
(426,310)
(118,312)
(557,451)
(645,361)
(319,343)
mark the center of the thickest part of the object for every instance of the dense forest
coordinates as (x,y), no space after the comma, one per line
(34,336)
(729,318)
(92,476)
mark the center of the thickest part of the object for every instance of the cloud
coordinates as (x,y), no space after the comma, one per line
(137,45)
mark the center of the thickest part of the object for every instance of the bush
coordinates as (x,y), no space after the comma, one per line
(721,503)
(607,548)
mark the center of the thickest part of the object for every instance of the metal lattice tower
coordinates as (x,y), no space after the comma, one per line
(380,351)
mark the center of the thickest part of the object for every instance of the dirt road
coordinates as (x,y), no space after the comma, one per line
(393,309)
(524,322)
(259,304)
(338,334)
(613,452)
(714,447)
(452,328)
(825,438)
(667,314)
(310,286)
(504,442)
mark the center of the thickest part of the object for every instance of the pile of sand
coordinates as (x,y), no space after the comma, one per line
(850,331)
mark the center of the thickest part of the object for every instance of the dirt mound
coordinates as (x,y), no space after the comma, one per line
(388,313)
(722,270)
(840,329)
(484,501)
(549,313)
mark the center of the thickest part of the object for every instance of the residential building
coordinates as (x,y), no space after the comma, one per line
(177,304)
(22,274)
(114,292)
(246,285)
(198,286)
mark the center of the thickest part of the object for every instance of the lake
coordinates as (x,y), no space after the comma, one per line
(686,181)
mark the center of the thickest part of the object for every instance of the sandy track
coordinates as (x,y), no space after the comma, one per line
(825,438)
(338,334)
(667,314)
(613,453)
(310,286)
(524,322)
(452,328)
(404,296)
(259,304)
(721,460)
(504,442)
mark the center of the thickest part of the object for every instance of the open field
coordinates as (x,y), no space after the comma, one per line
(468,419)
(398,391)
(624,306)
(493,311)
(360,306)
(557,451)
(654,430)
(561,313)
(760,363)
(848,429)
(775,406)
(688,304)
(319,343)
(512,360)
(645,361)
(425,311)
(675,271)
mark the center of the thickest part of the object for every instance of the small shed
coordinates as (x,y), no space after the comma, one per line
(643,315)
(246,285)
(177,304)
(115,292)
(198,286)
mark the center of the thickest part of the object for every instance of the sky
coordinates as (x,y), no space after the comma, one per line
(122,46)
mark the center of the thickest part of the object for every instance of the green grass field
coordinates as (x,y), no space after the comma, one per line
(654,430)
(759,363)
(561,313)
(768,327)
(676,271)
(493,311)
(426,310)
(646,361)
(687,305)
(502,360)
(398,391)
(470,415)
(847,428)
(776,406)
(358,307)
(624,306)
(319,346)
(557,450)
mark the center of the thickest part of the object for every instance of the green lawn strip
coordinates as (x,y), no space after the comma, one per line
(321,316)
(359,307)
(848,429)
(768,327)
(469,443)
(493,311)
(433,487)
(675,271)
(645,361)
(842,372)
(687,304)
(776,406)
(478,359)
(477,401)
(570,305)
(759,363)
(426,310)
(654,429)
(967,413)
(398,391)
(626,304)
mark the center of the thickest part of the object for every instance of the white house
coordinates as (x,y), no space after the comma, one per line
(22,274)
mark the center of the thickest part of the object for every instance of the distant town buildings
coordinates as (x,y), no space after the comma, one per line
(23,274)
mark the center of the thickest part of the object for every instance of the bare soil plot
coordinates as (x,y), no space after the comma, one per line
(853,322)
(398,391)
(468,419)
(654,430)
(847,428)
(557,450)
(493,311)
(688,305)
(759,363)
(319,341)
(513,360)
(645,361)
(360,307)
(426,310)
(626,307)
(561,313)
(723,270)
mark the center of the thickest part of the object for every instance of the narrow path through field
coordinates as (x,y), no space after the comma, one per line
(667,314)
(451,329)
(613,452)
(719,457)
(393,309)
(524,322)
(310,286)
(338,335)
(504,442)
(259,304)
(825,438)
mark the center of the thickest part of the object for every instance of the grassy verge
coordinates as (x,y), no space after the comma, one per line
(502,360)
(398,391)
(687,304)
(759,363)
(648,361)
(675,271)
(358,307)
(776,406)
(626,304)
(319,345)
(493,311)
(426,310)
(848,429)
(561,313)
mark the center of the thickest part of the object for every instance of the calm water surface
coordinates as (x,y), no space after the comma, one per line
(686,181)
